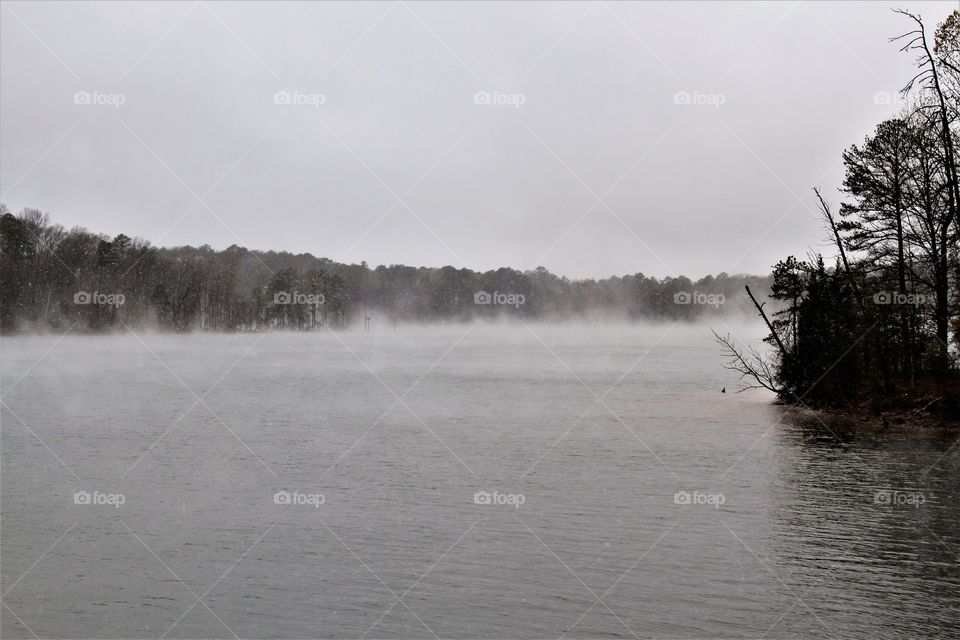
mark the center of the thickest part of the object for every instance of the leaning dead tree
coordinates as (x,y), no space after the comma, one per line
(838,241)
(754,369)
(773,332)
(750,364)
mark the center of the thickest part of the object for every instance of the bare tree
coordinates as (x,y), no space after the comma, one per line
(939,228)
(750,364)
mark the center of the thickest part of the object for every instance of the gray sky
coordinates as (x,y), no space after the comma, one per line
(590,167)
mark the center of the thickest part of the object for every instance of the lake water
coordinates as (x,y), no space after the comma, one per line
(206,459)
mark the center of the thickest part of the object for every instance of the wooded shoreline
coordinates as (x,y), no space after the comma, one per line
(878,330)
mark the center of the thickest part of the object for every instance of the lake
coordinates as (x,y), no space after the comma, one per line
(485,481)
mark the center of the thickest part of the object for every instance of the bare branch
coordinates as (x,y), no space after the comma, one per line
(750,365)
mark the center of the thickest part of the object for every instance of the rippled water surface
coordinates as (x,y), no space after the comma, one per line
(598,432)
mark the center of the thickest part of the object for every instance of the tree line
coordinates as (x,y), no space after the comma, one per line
(52,278)
(880,323)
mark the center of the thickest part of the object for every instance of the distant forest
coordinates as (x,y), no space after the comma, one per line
(54,278)
(881,325)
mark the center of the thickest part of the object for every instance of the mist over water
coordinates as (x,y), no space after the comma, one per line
(501,480)
(423,320)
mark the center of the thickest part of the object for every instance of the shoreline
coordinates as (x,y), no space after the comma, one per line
(891,420)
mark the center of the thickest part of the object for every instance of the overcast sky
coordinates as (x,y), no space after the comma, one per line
(163,120)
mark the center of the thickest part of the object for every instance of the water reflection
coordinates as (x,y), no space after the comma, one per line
(824,530)
(867,523)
